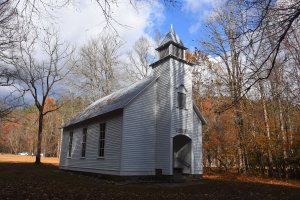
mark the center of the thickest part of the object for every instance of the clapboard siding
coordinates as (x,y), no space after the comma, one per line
(112,155)
(163,119)
(140,140)
(197,146)
(138,146)
(64,147)
(181,118)
(184,119)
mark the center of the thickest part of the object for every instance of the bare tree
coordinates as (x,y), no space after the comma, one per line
(7,41)
(223,29)
(95,68)
(107,8)
(5,110)
(16,15)
(16,18)
(139,59)
(38,76)
(265,19)
(291,49)
(7,34)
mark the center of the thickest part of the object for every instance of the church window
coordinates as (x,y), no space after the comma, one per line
(70,144)
(181,100)
(181,97)
(101,140)
(84,136)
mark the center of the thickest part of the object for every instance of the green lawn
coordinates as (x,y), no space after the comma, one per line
(27,181)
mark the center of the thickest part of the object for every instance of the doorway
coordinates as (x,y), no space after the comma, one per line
(182,153)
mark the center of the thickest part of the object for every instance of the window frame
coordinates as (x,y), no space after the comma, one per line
(181,100)
(70,145)
(101,140)
(83,142)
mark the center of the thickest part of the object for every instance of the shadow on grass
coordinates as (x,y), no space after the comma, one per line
(46,181)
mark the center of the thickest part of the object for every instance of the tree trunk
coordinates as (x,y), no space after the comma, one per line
(283,134)
(291,131)
(267,126)
(40,137)
(240,146)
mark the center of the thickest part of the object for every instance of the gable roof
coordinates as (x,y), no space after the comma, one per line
(114,101)
(173,38)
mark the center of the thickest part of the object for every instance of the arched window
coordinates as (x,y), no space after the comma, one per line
(181,97)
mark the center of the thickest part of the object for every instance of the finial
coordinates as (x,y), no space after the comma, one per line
(171,30)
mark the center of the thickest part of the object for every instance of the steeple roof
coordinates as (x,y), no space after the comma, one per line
(173,38)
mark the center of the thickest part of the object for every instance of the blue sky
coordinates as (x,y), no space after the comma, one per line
(188,22)
(81,21)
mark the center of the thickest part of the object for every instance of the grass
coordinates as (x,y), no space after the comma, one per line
(21,179)
(9,158)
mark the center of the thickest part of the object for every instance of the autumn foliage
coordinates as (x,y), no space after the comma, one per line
(254,135)
(18,134)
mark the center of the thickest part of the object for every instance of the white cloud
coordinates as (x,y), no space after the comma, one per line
(200,10)
(194,27)
(195,6)
(80,22)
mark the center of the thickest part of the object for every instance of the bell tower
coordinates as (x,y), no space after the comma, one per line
(171,45)
(174,106)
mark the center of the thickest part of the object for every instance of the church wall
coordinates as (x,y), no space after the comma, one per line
(139,134)
(64,148)
(197,145)
(182,119)
(163,120)
(110,164)
(140,140)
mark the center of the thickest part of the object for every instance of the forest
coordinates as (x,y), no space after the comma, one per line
(246,81)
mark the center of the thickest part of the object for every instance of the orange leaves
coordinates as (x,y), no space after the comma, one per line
(207,105)
(195,57)
(50,104)
(9,126)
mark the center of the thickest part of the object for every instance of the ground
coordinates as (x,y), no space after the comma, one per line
(21,179)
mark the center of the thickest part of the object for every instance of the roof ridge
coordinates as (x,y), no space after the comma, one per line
(111,102)
(121,89)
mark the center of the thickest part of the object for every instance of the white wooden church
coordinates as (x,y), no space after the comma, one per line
(151,127)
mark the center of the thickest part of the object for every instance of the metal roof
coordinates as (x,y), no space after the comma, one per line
(199,114)
(114,101)
(171,37)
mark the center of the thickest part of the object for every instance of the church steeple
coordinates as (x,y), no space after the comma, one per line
(171,38)
(171,45)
